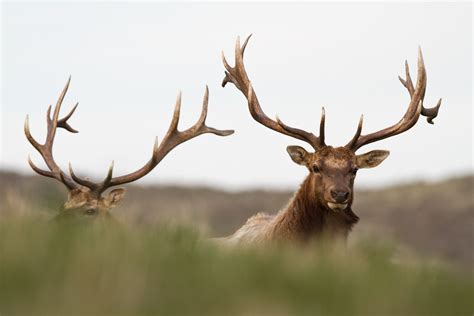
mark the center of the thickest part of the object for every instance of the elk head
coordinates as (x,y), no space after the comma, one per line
(332,170)
(86,199)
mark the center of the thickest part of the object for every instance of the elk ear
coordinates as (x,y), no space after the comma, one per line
(115,196)
(298,154)
(372,158)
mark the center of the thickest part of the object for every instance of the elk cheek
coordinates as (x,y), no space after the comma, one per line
(326,194)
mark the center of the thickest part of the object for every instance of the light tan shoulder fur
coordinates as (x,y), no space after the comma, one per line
(255,230)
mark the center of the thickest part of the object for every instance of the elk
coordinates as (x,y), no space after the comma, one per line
(86,199)
(322,207)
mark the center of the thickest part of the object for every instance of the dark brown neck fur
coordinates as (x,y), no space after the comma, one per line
(306,217)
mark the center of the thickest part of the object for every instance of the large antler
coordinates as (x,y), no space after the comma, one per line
(238,76)
(173,138)
(415,108)
(46,149)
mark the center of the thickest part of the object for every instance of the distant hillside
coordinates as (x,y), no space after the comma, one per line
(435,219)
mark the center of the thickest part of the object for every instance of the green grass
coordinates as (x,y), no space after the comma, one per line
(46,269)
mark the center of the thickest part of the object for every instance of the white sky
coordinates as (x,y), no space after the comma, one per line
(128,61)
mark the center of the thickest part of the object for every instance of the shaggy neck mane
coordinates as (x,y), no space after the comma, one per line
(306,217)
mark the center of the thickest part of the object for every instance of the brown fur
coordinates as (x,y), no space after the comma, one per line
(330,184)
(82,203)
(308,215)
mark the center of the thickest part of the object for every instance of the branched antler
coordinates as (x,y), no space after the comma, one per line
(415,108)
(238,76)
(46,149)
(430,113)
(173,138)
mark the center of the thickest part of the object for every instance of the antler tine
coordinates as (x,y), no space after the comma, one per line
(46,149)
(200,126)
(245,44)
(38,170)
(173,138)
(83,182)
(431,113)
(28,135)
(97,188)
(408,83)
(205,106)
(238,69)
(59,102)
(149,166)
(55,121)
(415,109)
(322,126)
(315,142)
(357,134)
(176,114)
(63,122)
(238,76)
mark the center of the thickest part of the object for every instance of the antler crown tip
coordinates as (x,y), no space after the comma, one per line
(420,54)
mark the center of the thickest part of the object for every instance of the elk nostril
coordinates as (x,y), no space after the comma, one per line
(339,196)
(346,195)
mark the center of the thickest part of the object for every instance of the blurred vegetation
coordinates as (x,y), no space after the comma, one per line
(430,219)
(158,261)
(51,269)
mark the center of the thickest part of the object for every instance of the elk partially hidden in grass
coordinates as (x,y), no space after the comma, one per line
(85,198)
(321,208)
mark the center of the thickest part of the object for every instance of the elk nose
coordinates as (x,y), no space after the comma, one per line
(340,196)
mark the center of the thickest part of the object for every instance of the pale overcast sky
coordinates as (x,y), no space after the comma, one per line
(129,60)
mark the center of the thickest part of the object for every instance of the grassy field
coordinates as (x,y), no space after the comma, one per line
(48,269)
(432,219)
(153,263)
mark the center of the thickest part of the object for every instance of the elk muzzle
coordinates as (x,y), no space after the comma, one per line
(339,198)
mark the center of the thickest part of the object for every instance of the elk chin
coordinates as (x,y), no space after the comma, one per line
(337,206)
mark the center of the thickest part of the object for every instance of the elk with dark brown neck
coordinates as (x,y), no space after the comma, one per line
(322,207)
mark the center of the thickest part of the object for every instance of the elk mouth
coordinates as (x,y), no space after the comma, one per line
(337,206)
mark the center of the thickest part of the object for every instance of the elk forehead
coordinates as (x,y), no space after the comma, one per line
(335,158)
(81,197)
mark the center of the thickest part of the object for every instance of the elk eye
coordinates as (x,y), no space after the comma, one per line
(315,169)
(354,171)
